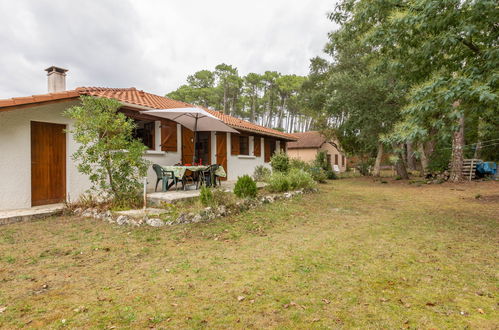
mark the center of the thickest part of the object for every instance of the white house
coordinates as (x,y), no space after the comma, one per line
(35,149)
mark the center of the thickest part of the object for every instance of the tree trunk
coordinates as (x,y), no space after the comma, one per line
(456,168)
(377,163)
(400,166)
(424,159)
(411,163)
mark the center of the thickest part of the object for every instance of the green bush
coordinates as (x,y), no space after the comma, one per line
(298,164)
(245,187)
(206,196)
(261,173)
(278,182)
(331,175)
(280,162)
(365,166)
(318,174)
(299,179)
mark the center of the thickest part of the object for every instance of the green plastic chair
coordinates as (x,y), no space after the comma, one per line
(164,176)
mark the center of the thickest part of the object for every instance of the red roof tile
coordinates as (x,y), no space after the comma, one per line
(6,104)
(138,97)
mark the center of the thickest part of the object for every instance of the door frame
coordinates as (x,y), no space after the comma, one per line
(222,136)
(64,165)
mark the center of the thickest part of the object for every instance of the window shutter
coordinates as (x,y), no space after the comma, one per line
(257,148)
(234,145)
(168,135)
(267,150)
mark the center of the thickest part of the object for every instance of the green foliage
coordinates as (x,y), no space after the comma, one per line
(107,152)
(318,174)
(279,162)
(294,179)
(221,197)
(432,52)
(254,96)
(261,173)
(295,163)
(278,182)
(439,161)
(299,179)
(321,161)
(245,187)
(206,196)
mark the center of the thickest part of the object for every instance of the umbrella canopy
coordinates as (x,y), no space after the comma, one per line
(195,119)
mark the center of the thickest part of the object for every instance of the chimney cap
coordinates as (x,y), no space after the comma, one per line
(54,68)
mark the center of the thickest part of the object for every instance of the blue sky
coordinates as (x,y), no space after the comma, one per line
(154,44)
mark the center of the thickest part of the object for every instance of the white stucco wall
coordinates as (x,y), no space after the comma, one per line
(241,165)
(15,154)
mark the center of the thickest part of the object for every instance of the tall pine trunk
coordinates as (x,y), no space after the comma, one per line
(411,161)
(424,159)
(400,165)
(379,157)
(456,168)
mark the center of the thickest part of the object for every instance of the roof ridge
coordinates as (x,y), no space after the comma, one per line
(103,89)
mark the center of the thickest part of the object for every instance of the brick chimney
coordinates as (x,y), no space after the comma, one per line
(56,80)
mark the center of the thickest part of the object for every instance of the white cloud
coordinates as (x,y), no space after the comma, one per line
(154,44)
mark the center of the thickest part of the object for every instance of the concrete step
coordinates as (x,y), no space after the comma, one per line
(30,214)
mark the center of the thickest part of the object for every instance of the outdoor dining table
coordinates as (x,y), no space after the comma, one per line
(179,171)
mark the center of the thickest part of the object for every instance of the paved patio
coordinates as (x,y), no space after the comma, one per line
(156,198)
(27,214)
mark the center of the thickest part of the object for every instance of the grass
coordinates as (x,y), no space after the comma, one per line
(358,254)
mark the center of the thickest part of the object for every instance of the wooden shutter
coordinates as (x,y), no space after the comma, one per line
(234,145)
(257,148)
(168,135)
(267,150)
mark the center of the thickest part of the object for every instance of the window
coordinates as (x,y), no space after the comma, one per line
(336,159)
(329,159)
(243,145)
(342,160)
(144,131)
(203,147)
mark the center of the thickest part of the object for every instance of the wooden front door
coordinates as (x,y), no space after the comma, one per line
(48,163)
(222,151)
(187,145)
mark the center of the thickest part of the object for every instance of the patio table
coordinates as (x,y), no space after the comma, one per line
(179,171)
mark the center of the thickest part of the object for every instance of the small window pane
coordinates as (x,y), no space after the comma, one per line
(244,145)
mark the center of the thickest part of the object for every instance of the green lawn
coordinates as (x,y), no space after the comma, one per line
(358,254)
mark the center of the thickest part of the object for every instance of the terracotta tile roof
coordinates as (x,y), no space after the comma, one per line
(138,97)
(311,139)
(6,104)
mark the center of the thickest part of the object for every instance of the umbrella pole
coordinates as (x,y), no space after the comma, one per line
(195,138)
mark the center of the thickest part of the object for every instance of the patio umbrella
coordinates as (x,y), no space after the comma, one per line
(195,119)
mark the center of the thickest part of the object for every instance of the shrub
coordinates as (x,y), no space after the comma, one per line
(107,152)
(221,197)
(318,174)
(280,162)
(206,196)
(298,164)
(364,167)
(299,179)
(261,173)
(278,182)
(245,187)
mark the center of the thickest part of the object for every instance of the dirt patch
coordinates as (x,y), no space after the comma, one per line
(487,198)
